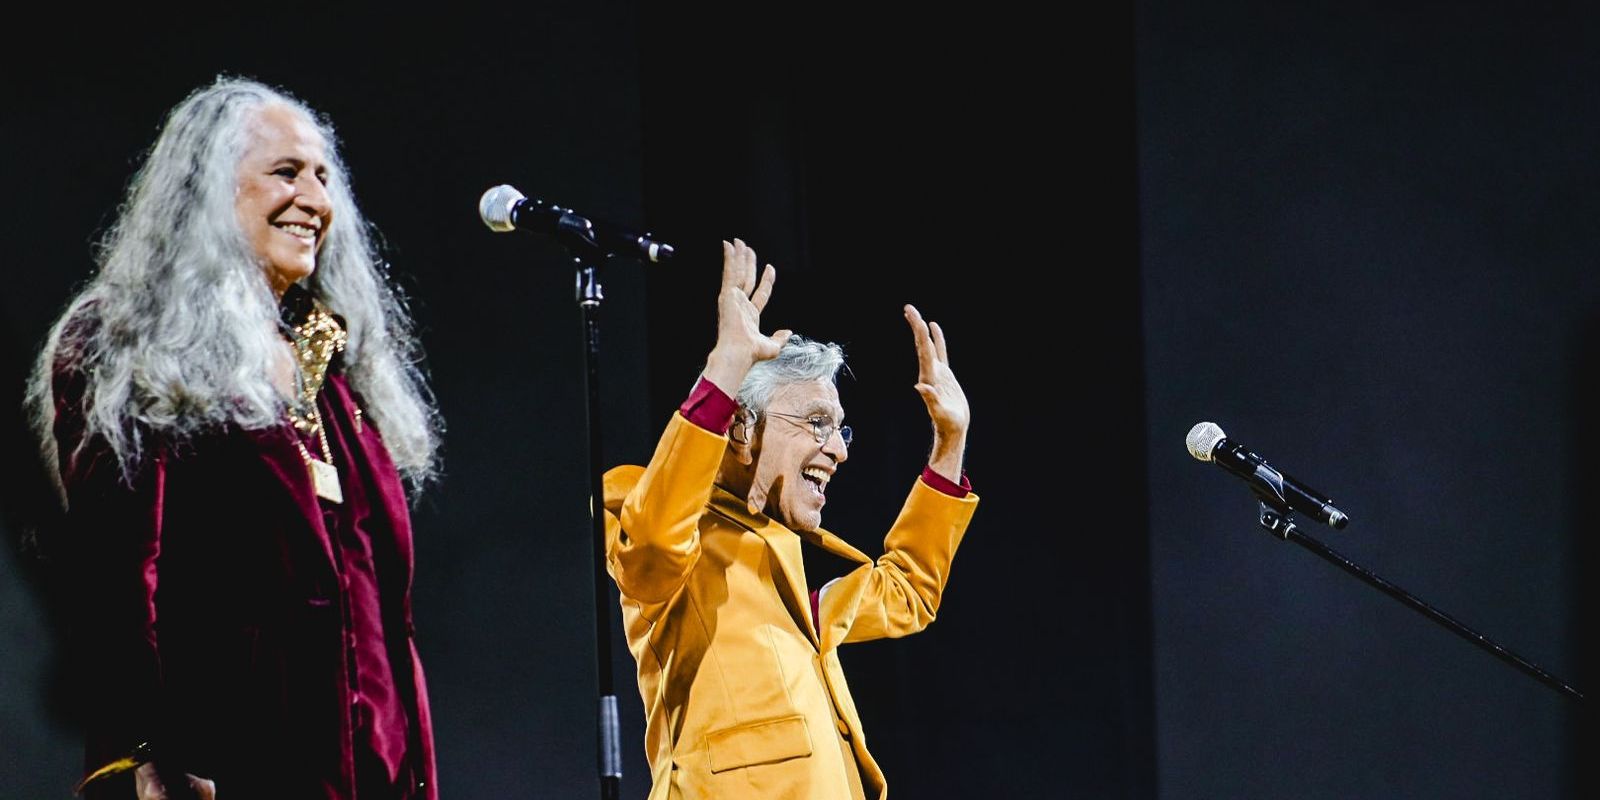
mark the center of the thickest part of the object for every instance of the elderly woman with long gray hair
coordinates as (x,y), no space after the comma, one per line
(233,408)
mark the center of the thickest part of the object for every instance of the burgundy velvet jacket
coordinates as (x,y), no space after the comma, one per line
(208,611)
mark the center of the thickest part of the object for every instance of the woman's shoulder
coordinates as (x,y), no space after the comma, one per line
(74,344)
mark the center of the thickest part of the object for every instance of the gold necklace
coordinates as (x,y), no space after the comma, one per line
(316,340)
(324,475)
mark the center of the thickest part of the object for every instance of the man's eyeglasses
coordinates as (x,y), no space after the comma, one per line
(822,426)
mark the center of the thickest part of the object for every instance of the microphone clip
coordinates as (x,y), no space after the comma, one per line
(1276,521)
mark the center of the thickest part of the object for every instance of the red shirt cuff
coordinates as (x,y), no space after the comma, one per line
(943,484)
(709,407)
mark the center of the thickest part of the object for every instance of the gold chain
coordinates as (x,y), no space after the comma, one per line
(322,438)
(322,435)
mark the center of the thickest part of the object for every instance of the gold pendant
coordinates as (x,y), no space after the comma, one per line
(325,478)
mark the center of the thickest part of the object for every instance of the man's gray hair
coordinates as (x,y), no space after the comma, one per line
(175,332)
(801,360)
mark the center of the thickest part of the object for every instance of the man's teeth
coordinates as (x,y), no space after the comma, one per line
(302,231)
(817,474)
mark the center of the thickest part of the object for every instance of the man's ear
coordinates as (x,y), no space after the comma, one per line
(741,436)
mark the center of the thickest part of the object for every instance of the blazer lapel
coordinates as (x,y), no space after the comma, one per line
(836,546)
(784,545)
(843,614)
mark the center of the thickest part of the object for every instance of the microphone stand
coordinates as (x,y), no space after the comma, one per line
(1275,519)
(579,241)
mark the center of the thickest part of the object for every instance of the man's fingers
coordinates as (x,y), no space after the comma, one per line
(747,268)
(764,288)
(938,342)
(730,265)
(740,282)
(733,267)
(919,332)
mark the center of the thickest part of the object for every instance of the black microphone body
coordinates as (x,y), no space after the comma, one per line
(503,208)
(1276,488)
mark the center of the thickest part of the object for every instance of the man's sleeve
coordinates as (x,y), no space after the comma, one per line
(659,539)
(900,593)
(709,407)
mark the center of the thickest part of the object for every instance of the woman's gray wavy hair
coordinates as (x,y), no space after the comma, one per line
(801,360)
(175,332)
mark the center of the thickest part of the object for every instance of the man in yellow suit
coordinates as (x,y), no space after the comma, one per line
(738,664)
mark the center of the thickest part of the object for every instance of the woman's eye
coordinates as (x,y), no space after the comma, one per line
(285,172)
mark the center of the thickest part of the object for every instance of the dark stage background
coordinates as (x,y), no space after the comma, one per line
(1368,236)
(1357,236)
(875,160)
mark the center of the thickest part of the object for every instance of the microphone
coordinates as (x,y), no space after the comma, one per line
(503,209)
(1207,442)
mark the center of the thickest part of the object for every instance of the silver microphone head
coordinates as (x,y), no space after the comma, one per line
(1203,438)
(495,207)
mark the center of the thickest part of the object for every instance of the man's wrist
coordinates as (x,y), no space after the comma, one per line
(727,370)
(948,447)
(955,488)
(709,407)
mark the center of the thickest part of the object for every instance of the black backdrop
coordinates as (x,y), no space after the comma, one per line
(967,163)
(1368,243)
(1356,236)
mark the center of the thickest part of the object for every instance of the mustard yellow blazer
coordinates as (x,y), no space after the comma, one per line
(742,698)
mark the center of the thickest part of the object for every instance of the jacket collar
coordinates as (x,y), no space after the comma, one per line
(785,545)
(277,449)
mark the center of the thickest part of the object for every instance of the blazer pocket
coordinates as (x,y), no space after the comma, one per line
(764,742)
